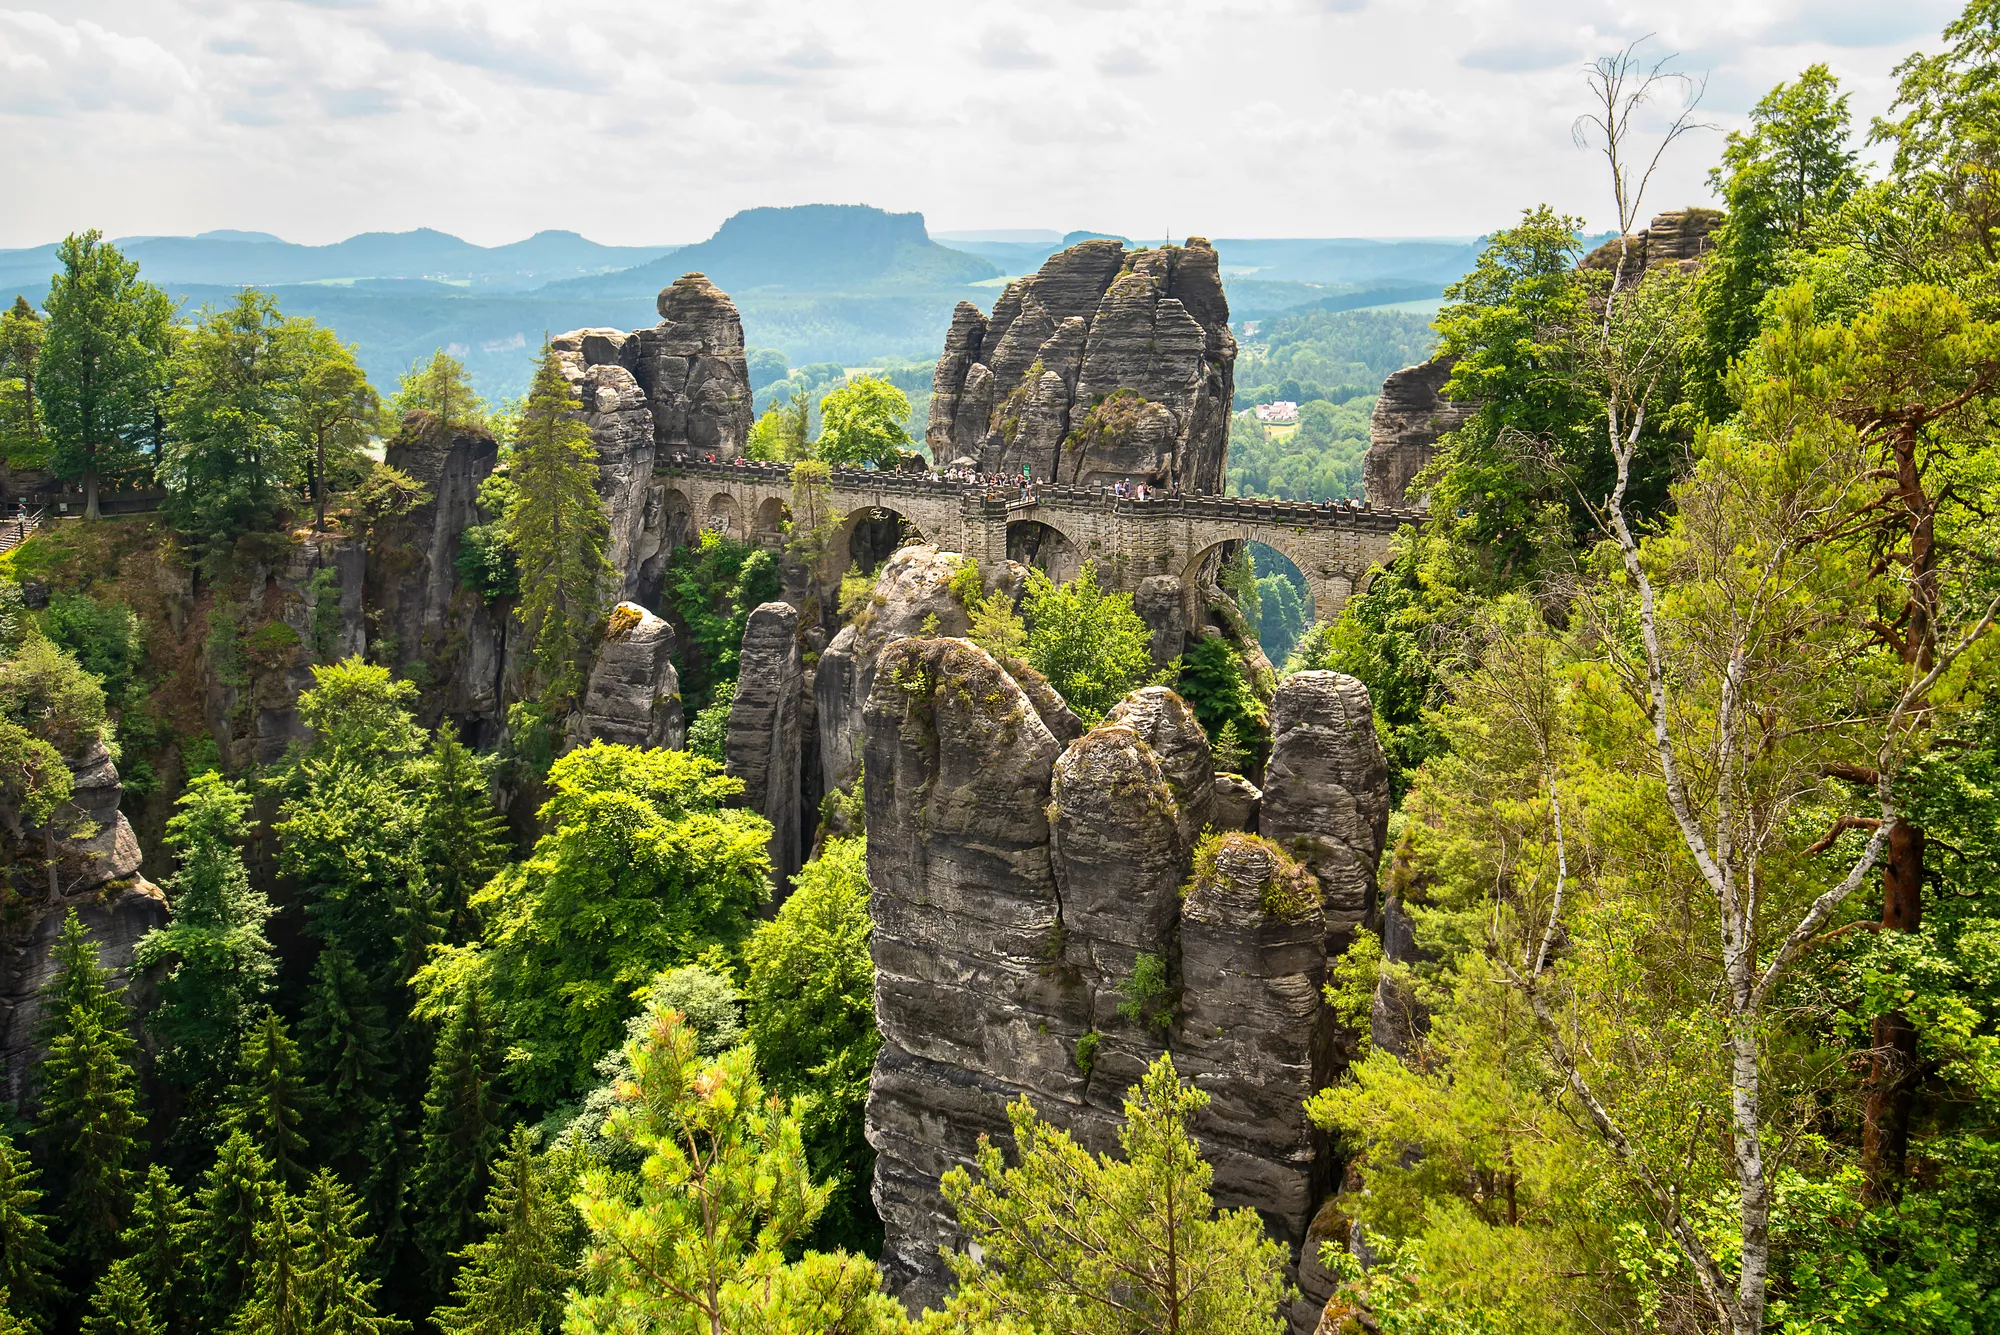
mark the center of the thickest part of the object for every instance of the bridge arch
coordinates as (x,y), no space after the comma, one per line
(1327,588)
(725,516)
(767,528)
(1037,543)
(867,536)
(676,518)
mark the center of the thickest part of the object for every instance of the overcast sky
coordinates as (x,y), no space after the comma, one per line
(640,121)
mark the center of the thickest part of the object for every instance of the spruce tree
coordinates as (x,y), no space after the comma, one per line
(121,1303)
(271,1098)
(512,1281)
(340,1297)
(26,1262)
(462,1132)
(213,959)
(343,1040)
(278,1301)
(89,1123)
(236,1196)
(157,1241)
(464,838)
(557,529)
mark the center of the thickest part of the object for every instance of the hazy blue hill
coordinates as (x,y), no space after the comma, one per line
(808,248)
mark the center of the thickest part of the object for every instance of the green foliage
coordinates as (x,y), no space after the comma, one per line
(1217,687)
(463,839)
(1090,644)
(1070,1242)
(121,1304)
(157,1245)
(1085,1055)
(641,868)
(344,1042)
(512,1281)
(810,1003)
(333,408)
(234,459)
(88,1124)
(707,1000)
(1281,602)
(271,1100)
(708,735)
(1318,460)
(339,1298)
(104,637)
(440,389)
(779,435)
(862,423)
(383,493)
(714,584)
(102,363)
(1146,997)
(463,1132)
(50,709)
(213,962)
(22,333)
(557,529)
(698,1239)
(237,1196)
(27,1262)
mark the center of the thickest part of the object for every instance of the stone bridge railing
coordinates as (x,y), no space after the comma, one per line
(1335,546)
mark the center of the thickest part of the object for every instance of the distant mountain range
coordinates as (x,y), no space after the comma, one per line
(819,282)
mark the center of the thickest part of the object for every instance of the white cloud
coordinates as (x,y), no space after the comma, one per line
(635,122)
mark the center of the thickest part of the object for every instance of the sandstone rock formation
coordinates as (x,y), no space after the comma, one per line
(1410,414)
(1161,602)
(95,871)
(764,740)
(1326,792)
(1679,237)
(1019,887)
(1106,364)
(913,586)
(633,694)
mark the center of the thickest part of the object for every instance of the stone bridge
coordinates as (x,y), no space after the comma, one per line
(1058,527)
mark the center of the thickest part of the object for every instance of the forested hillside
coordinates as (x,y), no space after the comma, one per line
(436,885)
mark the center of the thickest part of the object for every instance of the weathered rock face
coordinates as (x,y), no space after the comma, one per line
(1105,364)
(1018,885)
(913,586)
(1161,602)
(1410,414)
(1679,237)
(96,873)
(633,694)
(765,741)
(1326,792)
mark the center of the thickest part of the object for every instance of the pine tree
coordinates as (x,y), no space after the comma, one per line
(343,1038)
(236,1196)
(464,838)
(440,387)
(157,1242)
(512,1281)
(121,1303)
(89,1121)
(214,961)
(26,1262)
(278,1301)
(462,1132)
(557,528)
(271,1099)
(340,1299)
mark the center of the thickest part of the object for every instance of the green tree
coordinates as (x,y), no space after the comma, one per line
(339,1297)
(862,423)
(271,1100)
(440,388)
(88,1125)
(810,1012)
(779,436)
(642,866)
(512,1281)
(464,838)
(102,362)
(158,1243)
(237,1197)
(696,1242)
(277,1299)
(22,333)
(345,1041)
(1945,128)
(463,1132)
(715,583)
(1071,1242)
(1218,688)
(558,530)
(121,1305)
(235,458)
(333,406)
(1090,644)
(213,960)
(27,1263)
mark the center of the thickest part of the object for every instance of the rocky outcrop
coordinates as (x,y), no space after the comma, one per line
(1031,937)
(1326,792)
(1679,237)
(633,694)
(764,740)
(913,586)
(1161,602)
(1410,414)
(1106,364)
(95,872)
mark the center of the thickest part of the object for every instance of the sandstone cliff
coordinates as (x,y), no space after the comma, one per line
(1106,364)
(1020,887)
(1678,237)
(1410,414)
